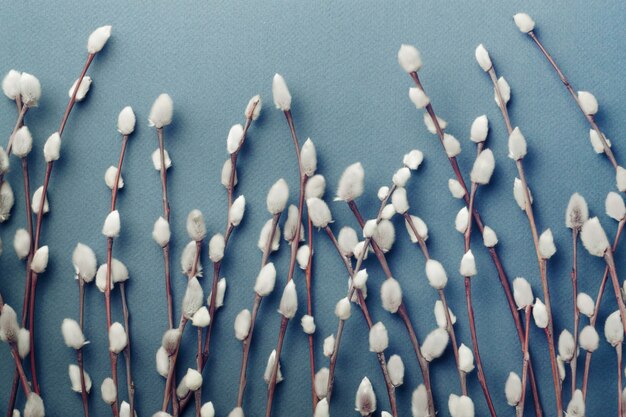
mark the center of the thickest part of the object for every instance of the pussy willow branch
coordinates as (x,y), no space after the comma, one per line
(309,310)
(198,392)
(610,262)
(20,369)
(402,312)
(292,264)
(528,210)
(574,361)
(519,409)
(79,352)
(594,318)
(618,352)
(502,276)
(130,383)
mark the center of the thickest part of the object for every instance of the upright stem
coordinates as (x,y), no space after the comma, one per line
(130,383)
(574,361)
(618,351)
(20,370)
(309,309)
(79,352)
(519,410)
(610,261)
(198,392)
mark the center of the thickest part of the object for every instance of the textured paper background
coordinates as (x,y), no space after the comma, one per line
(350,96)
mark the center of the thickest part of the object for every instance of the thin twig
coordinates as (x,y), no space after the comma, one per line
(574,361)
(309,310)
(79,352)
(130,383)
(519,410)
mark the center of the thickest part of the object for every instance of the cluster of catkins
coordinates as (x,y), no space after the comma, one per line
(199,312)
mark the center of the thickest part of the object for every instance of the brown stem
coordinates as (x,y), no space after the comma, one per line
(169,384)
(272,383)
(198,392)
(519,410)
(20,369)
(309,309)
(618,351)
(79,352)
(608,257)
(130,383)
(115,190)
(574,361)
(18,124)
(31,326)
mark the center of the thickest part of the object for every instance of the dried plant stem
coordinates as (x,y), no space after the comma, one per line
(309,310)
(565,81)
(502,276)
(20,369)
(618,351)
(18,123)
(574,362)
(130,383)
(198,392)
(594,318)
(519,409)
(79,352)
(610,262)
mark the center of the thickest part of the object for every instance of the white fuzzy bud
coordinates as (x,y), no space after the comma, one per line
(378,338)
(302,256)
(267,376)
(22,142)
(225,174)
(126,121)
(315,187)
(585,304)
(237,210)
(329,346)
(589,338)
(451,145)
(112,226)
(242,324)
(540,314)
(513,389)
(264,236)
(434,344)
(505,91)
(30,89)
(419,402)
(23,343)
(395,366)
(36,201)
(234,139)
(391,295)
(162,362)
(21,243)
(360,279)
(482,57)
(98,38)
(400,201)
(322,409)
(7,199)
(347,240)
(34,406)
(193,299)
(9,328)
(253,109)
(383,192)
(343,309)
(308,158)
(162,111)
(193,379)
(418,97)
(483,167)
(118,339)
(490,239)
(479,129)
(291,224)
(39,262)
(456,189)
(280,91)
(593,237)
(74,374)
(576,406)
(466,359)
(567,347)
(588,103)
(308,324)
(365,401)
(11,84)
(520,195)
(4,161)
(289,301)
(161,232)
(436,274)
(620,178)
(577,212)
(388,212)
(385,235)
(319,213)
(401,177)
(440,315)
(277,197)
(171,340)
(351,183)
(110,175)
(409,58)
(613,329)
(370,228)
(430,124)
(546,244)
(108,391)
(72,334)
(360,250)
(156,159)
(201,318)
(207,410)
(320,382)
(524,22)
(266,280)
(615,207)
(597,143)
(461,221)
(412,160)
(196,229)
(468,265)
(83,89)
(420,226)
(52,147)
(517,145)
(522,292)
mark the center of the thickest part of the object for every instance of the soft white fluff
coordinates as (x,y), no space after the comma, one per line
(466,359)
(266,280)
(110,175)
(170,340)
(322,409)
(434,344)
(589,339)
(413,159)
(111,227)
(385,235)
(52,147)
(74,374)
(193,298)
(409,58)
(234,139)
(242,324)
(34,406)
(401,176)
(479,129)
(513,389)
(321,382)
(156,159)
(388,212)
(577,212)
(237,210)
(277,197)
(430,124)
(620,178)
(22,142)
(280,92)
(520,195)
(9,328)
(400,201)
(613,329)
(395,366)
(420,226)
(615,207)
(436,274)
(291,224)
(319,213)
(588,103)
(456,189)
(440,315)
(315,187)
(39,262)
(546,244)
(360,279)
(308,324)
(361,251)
(517,145)
(418,97)
(585,304)
(597,143)
(21,243)
(196,228)
(468,265)
(461,221)
(505,91)
(378,338)
(11,84)
(267,376)
(490,238)
(118,339)
(4,161)
(369,228)
(524,22)
(483,167)
(343,309)
(419,402)
(308,158)
(108,391)
(540,314)
(391,295)
(161,232)
(23,343)
(482,57)
(451,145)
(83,89)
(351,183)
(162,111)
(347,240)
(302,256)
(576,406)
(264,236)
(30,89)
(162,362)
(201,318)
(207,410)
(289,301)
(567,347)
(253,108)
(365,401)
(126,121)
(98,38)
(522,292)
(193,379)
(7,199)
(593,237)
(329,346)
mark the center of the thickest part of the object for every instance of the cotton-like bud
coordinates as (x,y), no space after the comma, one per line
(412,160)
(266,280)
(217,244)
(420,226)
(98,38)
(161,414)
(52,147)
(524,22)
(234,139)
(522,292)
(360,279)
(21,243)
(388,212)
(302,256)
(482,57)
(370,228)
(4,161)
(264,236)
(385,235)
(161,232)
(315,187)
(9,328)
(620,178)
(395,366)
(74,373)
(319,213)
(188,258)
(125,409)
(291,224)
(351,183)
(118,339)
(308,158)
(308,324)
(383,192)
(400,201)
(418,97)
(112,226)
(108,391)
(343,309)
(280,91)
(505,91)
(468,265)
(540,314)
(34,406)
(597,143)
(72,334)
(517,145)
(461,221)
(365,398)
(593,237)
(456,189)
(7,199)
(479,129)
(83,89)
(567,347)
(434,344)
(615,207)
(577,212)
(378,338)
(588,103)
(11,84)
(201,318)
(322,409)
(585,304)
(196,228)
(289,301)
(546,244)
(329,346)
(242,324)
(267,376)
(36,201)
(22,142)
(193,299)
(451,145)
(30,89)
(347,240)
(513,389)
(589,339)
(321,382)
(613,329)
(126,121)
(490,239)
(576,406)
(156,159)
(39,262)
(23,343)
(401,176)
(391,295)
(253,109)
(110,176)
(170,340)
(419,402)
(360,250)
(162,362)
(436,274)
(225,175)
(483,167)
(520,195)
(193,379)
(162,111)
(277,197)
(440,315)
(466,359)
(207,410)
(409,58)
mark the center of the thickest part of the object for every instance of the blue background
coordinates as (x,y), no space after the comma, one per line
(350,96)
